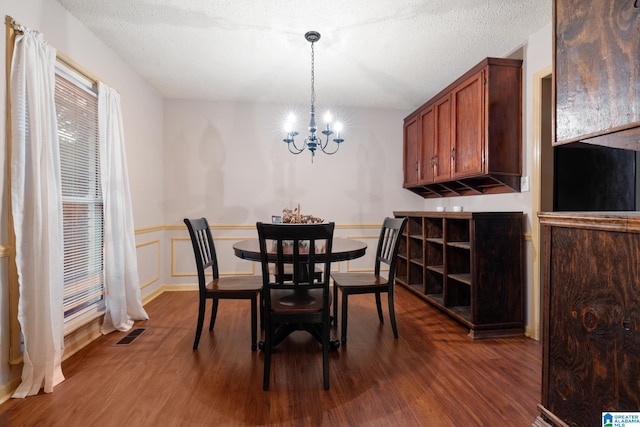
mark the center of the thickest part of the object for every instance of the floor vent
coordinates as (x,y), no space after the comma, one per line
(131,336)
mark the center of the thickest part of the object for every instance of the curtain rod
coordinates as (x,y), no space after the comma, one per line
(19,28)
(13,24)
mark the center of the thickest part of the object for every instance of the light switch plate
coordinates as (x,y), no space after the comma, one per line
(524,183)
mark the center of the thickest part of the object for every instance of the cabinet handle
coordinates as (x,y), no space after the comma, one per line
(453,153)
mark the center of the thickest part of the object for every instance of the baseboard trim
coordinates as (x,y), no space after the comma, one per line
(180,287)
(7,389)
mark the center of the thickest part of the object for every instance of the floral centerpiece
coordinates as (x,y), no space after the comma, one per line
(295,217)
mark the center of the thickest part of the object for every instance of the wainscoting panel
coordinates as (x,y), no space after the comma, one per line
(148,262)
(365,263)
(182,261)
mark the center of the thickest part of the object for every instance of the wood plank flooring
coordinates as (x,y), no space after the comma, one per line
(433,375)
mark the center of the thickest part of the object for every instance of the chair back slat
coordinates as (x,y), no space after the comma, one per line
(388,244)
(203,248)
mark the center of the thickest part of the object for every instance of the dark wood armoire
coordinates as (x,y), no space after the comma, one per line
(591,289)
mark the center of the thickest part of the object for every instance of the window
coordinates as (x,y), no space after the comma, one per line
(76,101)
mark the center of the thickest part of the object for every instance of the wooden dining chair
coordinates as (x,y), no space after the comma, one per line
(212,286)
(372,283)
(304,301)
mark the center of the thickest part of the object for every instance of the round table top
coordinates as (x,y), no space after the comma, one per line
(342,250)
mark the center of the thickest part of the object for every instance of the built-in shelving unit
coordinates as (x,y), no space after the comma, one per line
(469,265)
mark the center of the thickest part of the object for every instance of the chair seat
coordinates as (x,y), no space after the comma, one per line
(297,301)
(358,280)
(235,284)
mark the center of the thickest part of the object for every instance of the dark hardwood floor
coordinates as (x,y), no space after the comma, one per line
(433,375)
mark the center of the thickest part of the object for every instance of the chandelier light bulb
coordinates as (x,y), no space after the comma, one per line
(289,125)
(338,128)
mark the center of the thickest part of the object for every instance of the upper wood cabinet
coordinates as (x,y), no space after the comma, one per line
(597,72)
(411,152)
(442,140)
(467,149)
(469,135)
(427,154)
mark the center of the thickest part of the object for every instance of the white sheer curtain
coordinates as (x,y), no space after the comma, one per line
(122,285)
(36,200)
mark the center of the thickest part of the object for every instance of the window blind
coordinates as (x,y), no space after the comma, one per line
(77,112)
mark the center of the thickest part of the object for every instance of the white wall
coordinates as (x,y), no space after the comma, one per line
(142,114)
(227,161)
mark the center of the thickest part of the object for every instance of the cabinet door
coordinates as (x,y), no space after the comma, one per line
(597,67)
(442,155)
(427,143)
(411,152)
(592,348)
(468,130)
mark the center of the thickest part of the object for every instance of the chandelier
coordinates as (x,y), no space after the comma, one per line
(313,142)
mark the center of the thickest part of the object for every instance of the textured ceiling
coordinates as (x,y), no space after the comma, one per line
(372,53)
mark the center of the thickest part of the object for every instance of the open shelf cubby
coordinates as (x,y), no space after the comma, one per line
(469,265)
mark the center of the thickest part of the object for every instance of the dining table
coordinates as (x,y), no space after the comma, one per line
(342,250)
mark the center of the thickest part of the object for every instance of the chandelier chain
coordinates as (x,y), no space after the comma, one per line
(313,91)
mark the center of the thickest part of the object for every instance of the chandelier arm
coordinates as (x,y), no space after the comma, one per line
(295,149)
(326,144)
